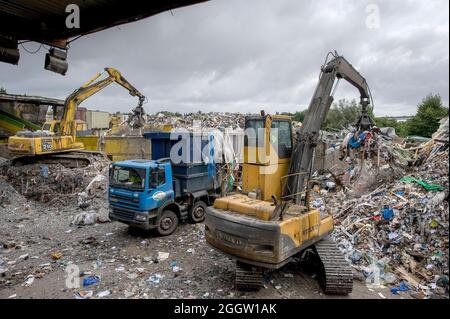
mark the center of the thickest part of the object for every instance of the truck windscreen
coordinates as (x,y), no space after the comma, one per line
(127,177)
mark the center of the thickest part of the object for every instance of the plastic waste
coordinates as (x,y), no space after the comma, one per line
(389,278)
(402,288)
(84,294)
(331,185)
(91,280)
(163,256)
(388,213)
(103,293)
(155,279)
(425,185)
(44,171)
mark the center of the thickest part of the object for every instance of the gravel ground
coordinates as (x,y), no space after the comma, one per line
(40,247)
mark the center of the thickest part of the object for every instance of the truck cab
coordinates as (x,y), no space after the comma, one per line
(146,194)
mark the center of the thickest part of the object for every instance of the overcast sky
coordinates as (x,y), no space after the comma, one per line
(248,55)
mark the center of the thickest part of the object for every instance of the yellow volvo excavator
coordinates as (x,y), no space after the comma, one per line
(270,223)
(62,147)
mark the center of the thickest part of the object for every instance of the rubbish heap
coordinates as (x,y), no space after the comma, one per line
(54,183)
(214,120)
(391,214)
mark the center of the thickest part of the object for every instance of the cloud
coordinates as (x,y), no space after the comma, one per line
(247,55)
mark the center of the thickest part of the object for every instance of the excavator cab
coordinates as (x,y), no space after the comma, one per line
(267,152)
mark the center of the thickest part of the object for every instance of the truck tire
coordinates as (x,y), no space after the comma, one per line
(167,223)
(197,212)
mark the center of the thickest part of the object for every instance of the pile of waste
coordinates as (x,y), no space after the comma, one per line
(391,214)
(204,120)
(9,196)
(53,183)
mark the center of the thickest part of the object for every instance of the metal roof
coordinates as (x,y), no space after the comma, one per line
(30,99)
(45,20)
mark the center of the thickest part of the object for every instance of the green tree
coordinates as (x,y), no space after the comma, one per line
(341,115)
(400,127)
(2,90)
(299,116)
(385,122)
(429,113)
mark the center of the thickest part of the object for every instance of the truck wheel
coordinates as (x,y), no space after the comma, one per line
(168,223)
(197,212)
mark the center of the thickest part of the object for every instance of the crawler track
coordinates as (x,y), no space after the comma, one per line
(73,159)
(336,277)
(248,277)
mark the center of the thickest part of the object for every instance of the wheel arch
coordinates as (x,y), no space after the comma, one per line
(172,206)
(201,196)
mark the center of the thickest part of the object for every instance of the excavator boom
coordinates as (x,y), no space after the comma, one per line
(337,68)
(89,89)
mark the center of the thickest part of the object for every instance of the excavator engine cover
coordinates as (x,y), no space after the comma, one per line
(240,227)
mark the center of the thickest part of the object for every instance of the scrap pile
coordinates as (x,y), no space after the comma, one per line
(52,183)
(397,231)
(206,120)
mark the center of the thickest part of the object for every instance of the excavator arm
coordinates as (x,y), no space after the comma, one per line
(89,89)
(337,68)
(344,70)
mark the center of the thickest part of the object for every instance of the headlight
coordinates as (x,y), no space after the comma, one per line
(141,218)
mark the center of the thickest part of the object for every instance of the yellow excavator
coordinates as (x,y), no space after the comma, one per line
(62,146)
(271,222)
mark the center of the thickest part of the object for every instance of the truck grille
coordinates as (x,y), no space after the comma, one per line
(124,200)
(122,213)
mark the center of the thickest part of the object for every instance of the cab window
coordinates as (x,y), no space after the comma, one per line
(161,176)
(128,177)
(282,137)
(157,177)
(57,128)
(255,129)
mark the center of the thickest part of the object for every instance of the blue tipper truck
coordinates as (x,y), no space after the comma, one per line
(158,194)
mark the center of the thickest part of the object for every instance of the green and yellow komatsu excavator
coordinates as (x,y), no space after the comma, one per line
(62,146)
(270,223)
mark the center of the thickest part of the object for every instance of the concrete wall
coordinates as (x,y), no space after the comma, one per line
(127,148)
